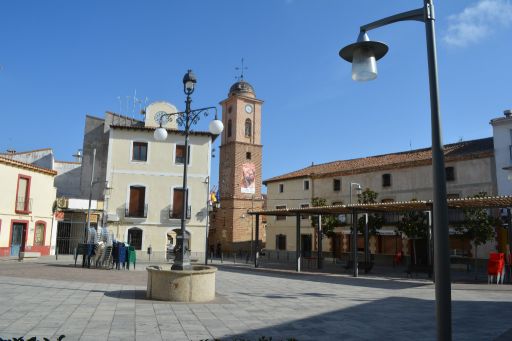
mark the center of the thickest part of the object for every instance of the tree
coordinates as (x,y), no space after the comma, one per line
(329,222)
(478,225)
(414,225)
(375,221)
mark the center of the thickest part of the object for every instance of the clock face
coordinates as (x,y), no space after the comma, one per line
(248,108)
(161,117)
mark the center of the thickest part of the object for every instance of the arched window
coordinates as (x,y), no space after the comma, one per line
(135,238)
(229,128)
(248,128)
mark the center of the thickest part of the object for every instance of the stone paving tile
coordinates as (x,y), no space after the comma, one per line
(309,307)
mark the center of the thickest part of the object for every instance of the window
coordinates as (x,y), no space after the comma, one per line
(135,238)
(180,154)
(248,155)
(39,234)
(302,216)
(280,242)
(336,185)
(176,211)
(140,151)
(280,217)
(306,185)
(386,180)
(230,109)
(137,207)
(390,218)
(450,173)
(281,188)
(23,194)
(229,128)
(248,128)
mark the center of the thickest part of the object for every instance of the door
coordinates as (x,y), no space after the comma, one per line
(17,238)
(306,243)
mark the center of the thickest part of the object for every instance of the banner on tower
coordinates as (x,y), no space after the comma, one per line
(248,178)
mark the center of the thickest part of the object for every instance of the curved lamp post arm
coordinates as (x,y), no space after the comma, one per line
(416,14)
(193,115)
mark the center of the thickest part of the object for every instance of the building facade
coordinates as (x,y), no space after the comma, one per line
(240,169)
(404,176)
(27,223)
(140,179)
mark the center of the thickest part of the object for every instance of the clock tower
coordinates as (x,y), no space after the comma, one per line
(231,228)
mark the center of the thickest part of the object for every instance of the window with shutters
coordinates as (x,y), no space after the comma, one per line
(137,207)
(39,234)
(386,180)
(281,242)
(176,211)
(23,194)
(281,217)
(450,173)
(180,155)
(140,151)
(336,185)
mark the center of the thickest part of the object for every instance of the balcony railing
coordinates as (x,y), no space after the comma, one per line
(136,213)
(178,214)
(455,216)
(23,204)
(391,218)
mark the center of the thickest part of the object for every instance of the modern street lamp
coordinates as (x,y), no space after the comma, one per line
(358,189)
(186,119)
(363,55)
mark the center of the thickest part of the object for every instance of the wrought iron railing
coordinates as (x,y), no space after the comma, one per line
(23,204)
(177,214)
(139,212)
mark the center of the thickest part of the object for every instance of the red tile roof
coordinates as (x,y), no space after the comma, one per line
(465,150)
(28,166)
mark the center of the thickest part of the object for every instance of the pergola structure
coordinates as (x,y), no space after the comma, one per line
(397,207)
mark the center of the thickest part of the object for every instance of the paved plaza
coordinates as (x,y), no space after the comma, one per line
(48,298)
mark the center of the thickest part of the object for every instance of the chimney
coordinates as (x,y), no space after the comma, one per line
(507,113)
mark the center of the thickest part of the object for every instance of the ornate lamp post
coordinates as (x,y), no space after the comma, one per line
(186,119)
(358,189)
(364,55)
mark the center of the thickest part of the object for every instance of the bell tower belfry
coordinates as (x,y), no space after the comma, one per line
(240,169)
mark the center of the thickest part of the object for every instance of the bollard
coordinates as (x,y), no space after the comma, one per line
(56,253)
(234,258)
(222,257)
(211,257)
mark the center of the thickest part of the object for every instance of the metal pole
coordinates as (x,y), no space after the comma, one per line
(366,244)
(182,261)
(252,227)
(297,243)
(354,242)
(319,240)
(441,236)
(207,220)
(90,197)
(257,256)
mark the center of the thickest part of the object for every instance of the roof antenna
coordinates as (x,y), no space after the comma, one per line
(120,107)
(241,69)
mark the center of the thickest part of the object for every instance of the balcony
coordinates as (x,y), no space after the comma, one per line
(178,213)
(23,205)
(140,212)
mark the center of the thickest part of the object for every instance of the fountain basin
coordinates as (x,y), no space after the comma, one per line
(196,285)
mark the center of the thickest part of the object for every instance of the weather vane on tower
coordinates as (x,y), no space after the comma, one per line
(242,68)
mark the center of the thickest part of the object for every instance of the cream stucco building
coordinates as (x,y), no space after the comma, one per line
(403,176)
(144,179)
(27,197)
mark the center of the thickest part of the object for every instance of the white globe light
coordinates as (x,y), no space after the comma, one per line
(160,134)
(216,127)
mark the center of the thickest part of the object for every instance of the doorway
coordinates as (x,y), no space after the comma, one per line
(306,242)
(18,233)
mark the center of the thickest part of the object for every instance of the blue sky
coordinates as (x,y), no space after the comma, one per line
(61,60)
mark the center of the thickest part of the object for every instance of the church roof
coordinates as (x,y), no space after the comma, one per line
(241,88)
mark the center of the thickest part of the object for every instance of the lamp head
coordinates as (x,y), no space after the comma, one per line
(189,82)
(216,127)
(364,55)
(160,134)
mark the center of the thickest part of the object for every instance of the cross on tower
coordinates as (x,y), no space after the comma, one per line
(242,68)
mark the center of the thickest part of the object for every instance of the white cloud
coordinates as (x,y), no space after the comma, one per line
(477,22)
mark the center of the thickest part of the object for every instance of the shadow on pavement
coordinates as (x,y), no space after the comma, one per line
(394,318)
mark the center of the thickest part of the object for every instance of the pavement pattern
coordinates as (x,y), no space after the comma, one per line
(49,298)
